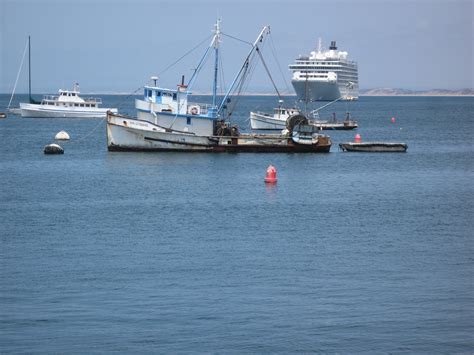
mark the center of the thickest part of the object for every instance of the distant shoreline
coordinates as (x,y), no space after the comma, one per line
(363,94)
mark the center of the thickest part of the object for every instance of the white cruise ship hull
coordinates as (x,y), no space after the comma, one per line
(316,90)
(34,110)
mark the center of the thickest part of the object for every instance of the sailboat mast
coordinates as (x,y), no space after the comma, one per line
(29,68)
(216,62)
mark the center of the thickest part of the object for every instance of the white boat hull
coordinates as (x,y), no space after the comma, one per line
(131,134)
(262,121)
(34,110)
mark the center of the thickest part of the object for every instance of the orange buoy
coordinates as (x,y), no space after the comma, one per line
(357,138)
(270,177)
(393,119)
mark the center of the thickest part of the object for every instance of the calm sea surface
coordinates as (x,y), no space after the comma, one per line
(178,252)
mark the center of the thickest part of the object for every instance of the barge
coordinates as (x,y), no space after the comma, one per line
(374,147)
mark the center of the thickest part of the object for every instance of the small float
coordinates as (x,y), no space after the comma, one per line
(62,136)
(53,149)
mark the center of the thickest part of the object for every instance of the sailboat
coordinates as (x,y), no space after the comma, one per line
(68,103)
(167,121)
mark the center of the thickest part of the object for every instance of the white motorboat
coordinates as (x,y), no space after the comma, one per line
(277,121)
(67,103)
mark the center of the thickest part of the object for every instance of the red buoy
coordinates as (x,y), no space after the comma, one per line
(393,119)
(357,138)
(270,177)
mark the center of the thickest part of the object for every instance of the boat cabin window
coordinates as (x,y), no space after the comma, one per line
(174,96)
(158,93)
(82,105)
(188,120)
(76,105)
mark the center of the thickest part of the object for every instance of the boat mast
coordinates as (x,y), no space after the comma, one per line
(29,69)
(215,44)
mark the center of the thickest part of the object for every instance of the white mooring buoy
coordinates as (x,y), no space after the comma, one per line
(53,149)
(62,135)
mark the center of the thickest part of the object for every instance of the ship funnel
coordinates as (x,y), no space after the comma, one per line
(333,45)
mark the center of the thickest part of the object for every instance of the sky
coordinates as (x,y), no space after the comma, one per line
(115,46)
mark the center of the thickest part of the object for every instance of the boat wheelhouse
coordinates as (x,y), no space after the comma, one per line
(170,108)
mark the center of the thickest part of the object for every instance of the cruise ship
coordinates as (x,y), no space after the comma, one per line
(325,76)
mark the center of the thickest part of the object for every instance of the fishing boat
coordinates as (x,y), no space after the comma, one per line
(167,121)
(68,103)
(277,121)
(374,147)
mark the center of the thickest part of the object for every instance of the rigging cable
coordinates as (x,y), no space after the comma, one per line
(268,72)
(272,47)
(18,75)
(120,103)
(184,55)
(237,39)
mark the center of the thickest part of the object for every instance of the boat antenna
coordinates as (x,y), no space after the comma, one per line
(319,45)
(215,44)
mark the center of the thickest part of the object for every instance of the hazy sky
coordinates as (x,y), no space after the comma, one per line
(115,46)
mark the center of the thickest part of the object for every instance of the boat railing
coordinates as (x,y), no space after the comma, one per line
(51,98)
(263,114)
(92,100)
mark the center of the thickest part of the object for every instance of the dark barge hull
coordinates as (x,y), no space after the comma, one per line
(234,148)
(374,147)
(336,126)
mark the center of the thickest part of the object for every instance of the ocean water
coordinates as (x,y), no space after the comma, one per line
(178,252)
